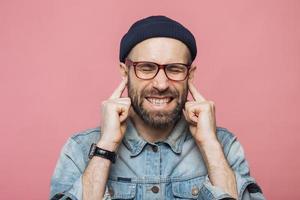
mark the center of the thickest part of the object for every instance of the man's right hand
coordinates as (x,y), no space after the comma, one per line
(114,113)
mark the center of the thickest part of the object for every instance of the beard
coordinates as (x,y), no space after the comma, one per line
(157,119)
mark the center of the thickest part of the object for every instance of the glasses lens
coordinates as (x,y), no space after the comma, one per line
(146,70)
(177,71)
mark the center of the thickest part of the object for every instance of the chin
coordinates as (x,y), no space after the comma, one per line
(160,119)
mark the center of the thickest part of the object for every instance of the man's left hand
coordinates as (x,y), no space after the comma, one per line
(200,114)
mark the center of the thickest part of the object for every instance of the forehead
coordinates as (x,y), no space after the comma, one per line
(161,50)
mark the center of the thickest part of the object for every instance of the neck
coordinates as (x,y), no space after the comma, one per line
(148,132)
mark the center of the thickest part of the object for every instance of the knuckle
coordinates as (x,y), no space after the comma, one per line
(128,100)
(195,106)
(126,106)
(206,106)
(125,99)
(111,105)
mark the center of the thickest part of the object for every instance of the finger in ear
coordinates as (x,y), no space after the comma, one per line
(123,70)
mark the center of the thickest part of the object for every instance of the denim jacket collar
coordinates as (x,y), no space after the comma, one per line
(136,143)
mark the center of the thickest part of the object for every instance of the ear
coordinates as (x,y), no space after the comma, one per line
(192,72)
(123,70)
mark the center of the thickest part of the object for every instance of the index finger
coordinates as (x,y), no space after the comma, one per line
(195,93)
(118,92)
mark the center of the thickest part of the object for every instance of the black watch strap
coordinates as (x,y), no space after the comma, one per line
(97,151)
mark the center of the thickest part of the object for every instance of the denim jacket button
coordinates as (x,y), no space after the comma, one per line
(154,148)
(195,191)
(155,189)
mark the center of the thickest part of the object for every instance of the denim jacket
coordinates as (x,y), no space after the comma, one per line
(169,169)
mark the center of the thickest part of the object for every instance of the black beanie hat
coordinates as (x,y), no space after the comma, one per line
(156,26)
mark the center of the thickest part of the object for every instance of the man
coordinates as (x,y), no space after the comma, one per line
(155,144)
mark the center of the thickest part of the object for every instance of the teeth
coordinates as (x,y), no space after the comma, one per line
(159,101)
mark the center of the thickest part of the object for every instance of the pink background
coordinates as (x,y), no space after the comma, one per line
(59,60)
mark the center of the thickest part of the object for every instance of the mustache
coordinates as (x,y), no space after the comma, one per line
(154,92)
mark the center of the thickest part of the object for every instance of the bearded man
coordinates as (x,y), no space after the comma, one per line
(155,143)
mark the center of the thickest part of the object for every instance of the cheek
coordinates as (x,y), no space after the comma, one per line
(137,86)
(183,93)
(181,88)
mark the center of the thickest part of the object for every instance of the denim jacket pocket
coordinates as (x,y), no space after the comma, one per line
(121,190)
(187,189)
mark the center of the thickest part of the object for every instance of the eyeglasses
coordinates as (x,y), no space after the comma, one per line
(148,70)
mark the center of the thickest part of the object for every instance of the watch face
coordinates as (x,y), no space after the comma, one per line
(92,151)
(96,151)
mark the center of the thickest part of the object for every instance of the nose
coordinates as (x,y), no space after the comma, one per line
(161,81)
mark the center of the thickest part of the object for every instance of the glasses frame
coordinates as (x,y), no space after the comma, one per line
(129,62)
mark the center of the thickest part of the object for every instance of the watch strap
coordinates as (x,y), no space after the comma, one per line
(97,151)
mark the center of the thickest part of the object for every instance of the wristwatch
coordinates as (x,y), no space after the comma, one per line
(97,151)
